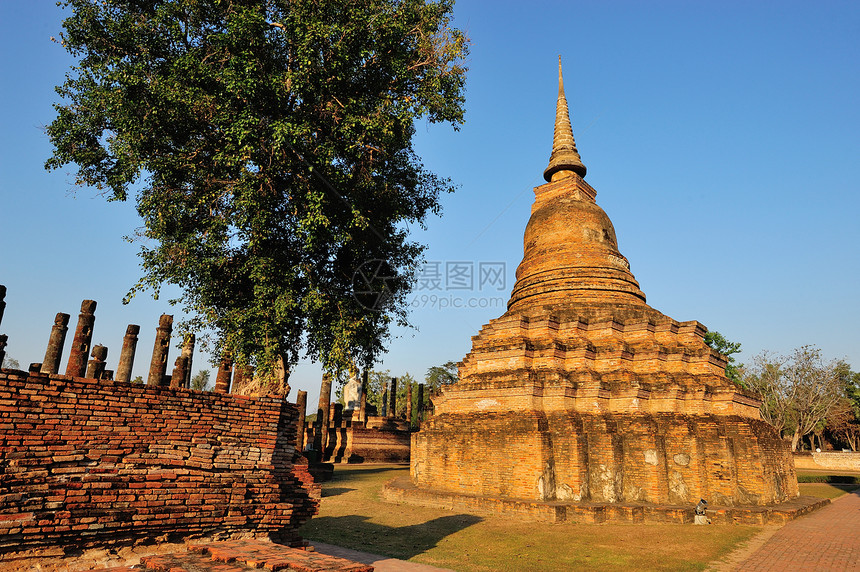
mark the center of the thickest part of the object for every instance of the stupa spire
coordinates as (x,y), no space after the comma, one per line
(564,156)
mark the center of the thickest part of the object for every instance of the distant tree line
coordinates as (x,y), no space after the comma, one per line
(803,396)
(806,397)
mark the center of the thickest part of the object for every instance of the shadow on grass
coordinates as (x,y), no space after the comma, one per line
(358,533)
(334,491)
(344,471)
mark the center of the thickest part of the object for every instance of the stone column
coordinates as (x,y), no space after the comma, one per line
(80,349)
(54,353)
(337,415)
(409,404)
(2,302)
(96,366)
(3,337)
(392,399)
(384,412)
(126,355)
(188,353)
(180,369)
(323,411)
(362,412)
(420,403)
(158,365)
(222,379)
(302,406)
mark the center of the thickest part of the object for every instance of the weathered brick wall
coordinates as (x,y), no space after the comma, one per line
(86,462)
(828,460)
(666,459)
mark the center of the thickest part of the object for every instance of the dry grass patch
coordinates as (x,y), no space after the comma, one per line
(353,515)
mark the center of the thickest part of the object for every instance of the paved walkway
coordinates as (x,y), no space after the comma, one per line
(379,563)
(826,540)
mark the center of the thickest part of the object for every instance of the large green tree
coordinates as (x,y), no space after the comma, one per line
(268,146)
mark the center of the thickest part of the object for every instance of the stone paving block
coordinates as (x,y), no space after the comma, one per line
(259,554)
(826,540)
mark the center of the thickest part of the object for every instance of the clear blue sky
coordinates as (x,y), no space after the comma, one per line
(722,139)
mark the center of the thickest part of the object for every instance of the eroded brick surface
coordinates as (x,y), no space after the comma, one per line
(92,463)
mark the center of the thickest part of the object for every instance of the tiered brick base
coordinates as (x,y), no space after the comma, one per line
(401,490)
(661,458)
(600,410)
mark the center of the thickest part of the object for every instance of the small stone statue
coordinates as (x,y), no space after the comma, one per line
(700,517)
(352,392)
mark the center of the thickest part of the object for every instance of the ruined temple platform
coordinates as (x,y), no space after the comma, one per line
(583,403)
(401,490)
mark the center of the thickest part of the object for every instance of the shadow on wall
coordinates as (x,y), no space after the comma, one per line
(353,531)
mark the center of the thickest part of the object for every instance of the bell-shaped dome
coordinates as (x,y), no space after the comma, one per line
(570,254)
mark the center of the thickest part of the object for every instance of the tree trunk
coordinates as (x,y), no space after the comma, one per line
(795,439)
(282,375)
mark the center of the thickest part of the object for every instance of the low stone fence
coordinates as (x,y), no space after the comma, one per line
(828,460)
(86,462)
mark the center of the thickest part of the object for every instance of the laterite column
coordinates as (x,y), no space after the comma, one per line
(80,350)
(158,365)
(126,355)
(54,353)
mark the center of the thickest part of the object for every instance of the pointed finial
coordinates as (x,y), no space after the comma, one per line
(564,156)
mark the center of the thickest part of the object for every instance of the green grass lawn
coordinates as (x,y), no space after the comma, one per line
(353,515)
(826,490)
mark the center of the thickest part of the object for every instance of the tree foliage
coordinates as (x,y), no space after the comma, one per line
(718,342)
(200,380)
(439,375)
(376,383)
(765,376)
(844,424)
(10,363)
(800,392)
(268,146)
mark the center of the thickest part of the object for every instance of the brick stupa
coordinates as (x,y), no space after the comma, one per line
(583,393)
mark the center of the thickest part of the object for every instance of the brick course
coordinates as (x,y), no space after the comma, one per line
(92,463)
